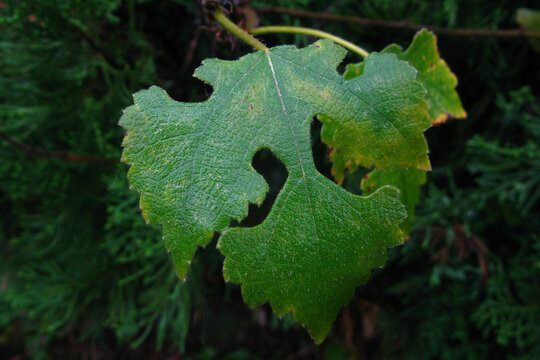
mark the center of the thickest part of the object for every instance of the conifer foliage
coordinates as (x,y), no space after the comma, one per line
(82,275)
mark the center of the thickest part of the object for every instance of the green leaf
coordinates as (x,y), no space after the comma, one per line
(408,181)
(407,149)
(192,164)
(434,74)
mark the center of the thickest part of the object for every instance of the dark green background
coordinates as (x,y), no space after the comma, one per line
(82,275)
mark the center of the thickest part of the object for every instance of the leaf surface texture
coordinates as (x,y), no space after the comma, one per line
(191,162)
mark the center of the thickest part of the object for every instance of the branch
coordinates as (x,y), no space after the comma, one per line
(404,24)
(64,155)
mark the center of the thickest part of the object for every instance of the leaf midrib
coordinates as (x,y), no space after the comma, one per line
(303,179)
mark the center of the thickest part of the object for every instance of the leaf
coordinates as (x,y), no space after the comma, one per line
(408,181)
(192,164)
(434,74)
(406,150)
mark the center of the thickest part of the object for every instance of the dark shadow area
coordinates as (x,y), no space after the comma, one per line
(320,150)
(353,180)
(275,174)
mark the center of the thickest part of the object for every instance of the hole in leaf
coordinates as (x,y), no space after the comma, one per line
(275,173)
(320,151)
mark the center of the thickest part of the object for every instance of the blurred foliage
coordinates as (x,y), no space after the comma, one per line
(82,275)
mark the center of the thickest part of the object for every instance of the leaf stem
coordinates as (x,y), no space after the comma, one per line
(307,31)
(238,32)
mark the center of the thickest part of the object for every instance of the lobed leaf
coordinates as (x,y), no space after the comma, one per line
(192,164)
(443,100)
(434,74)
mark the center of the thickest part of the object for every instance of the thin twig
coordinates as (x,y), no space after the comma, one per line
(403,24)
(64,155)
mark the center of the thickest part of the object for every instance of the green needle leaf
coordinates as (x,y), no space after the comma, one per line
(192,164)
